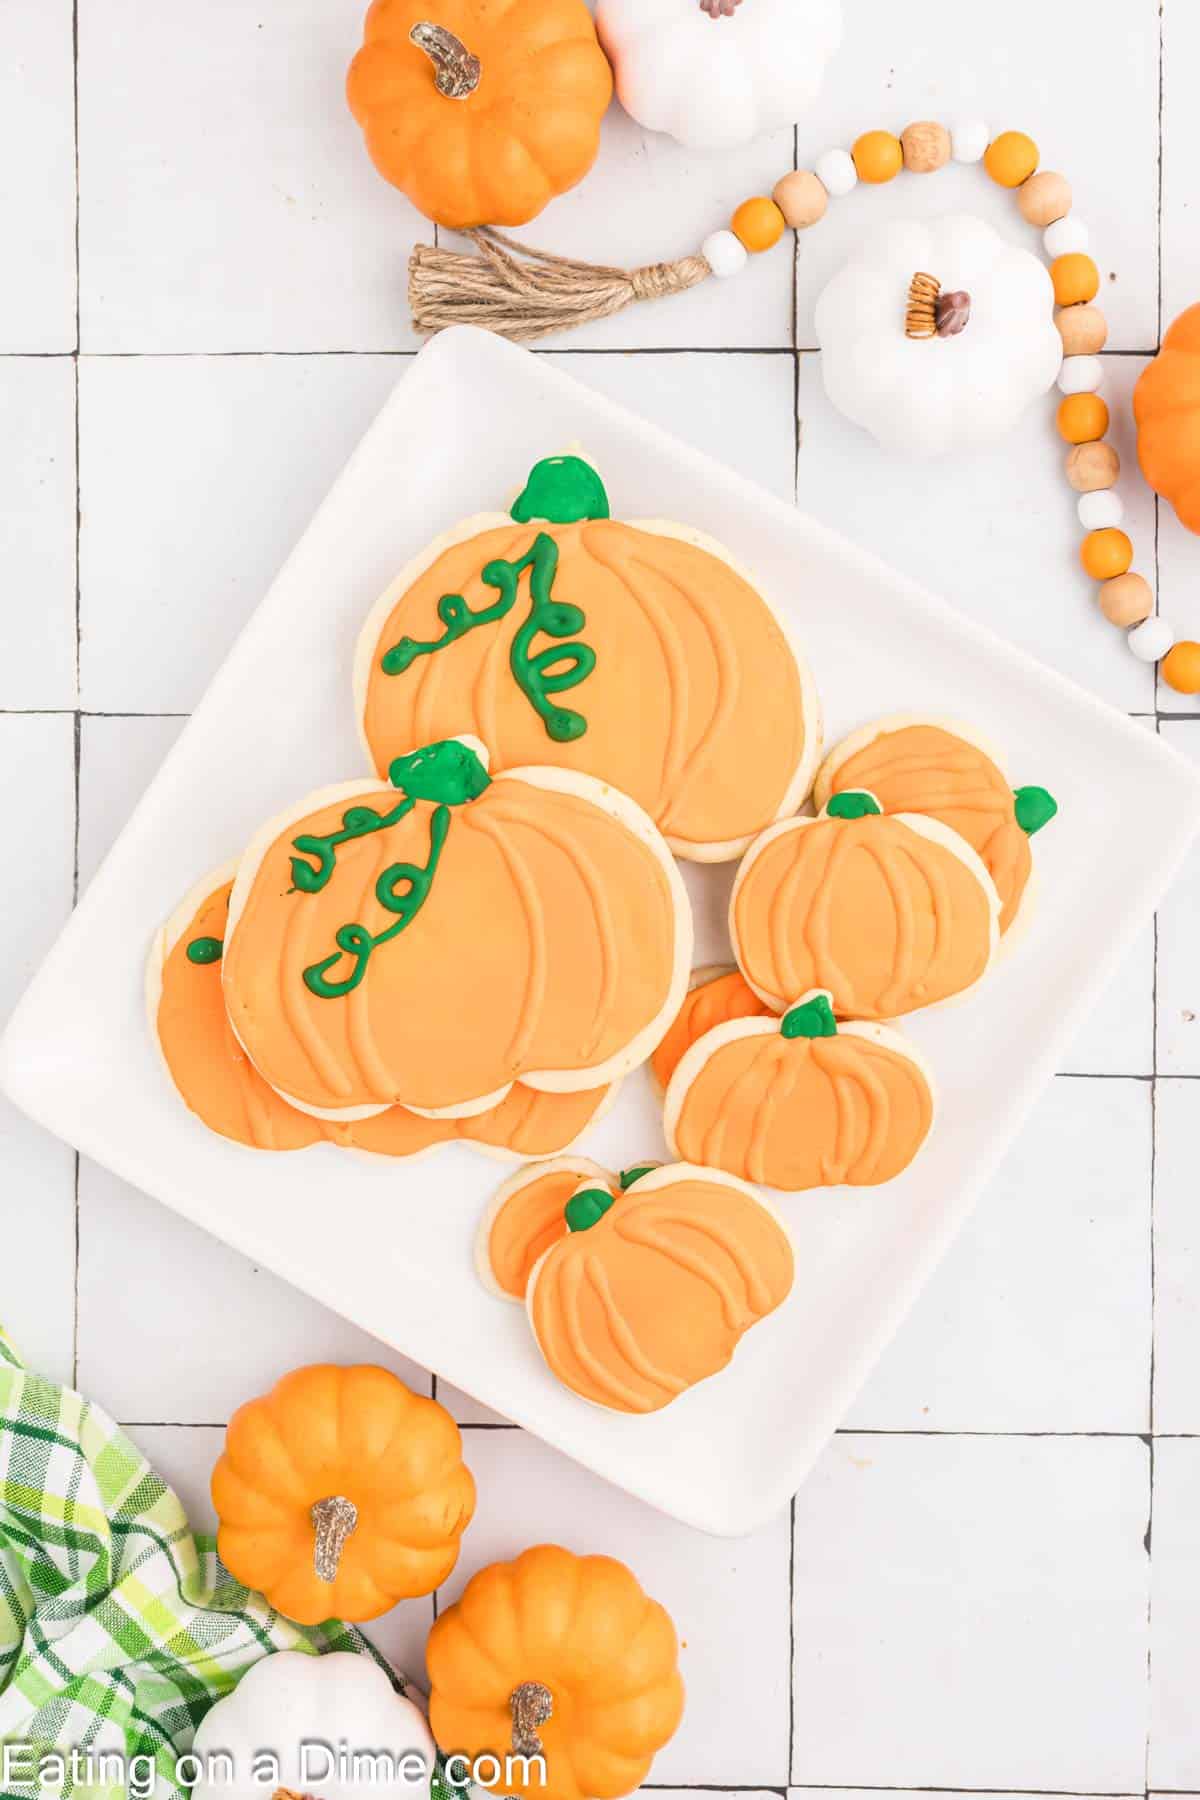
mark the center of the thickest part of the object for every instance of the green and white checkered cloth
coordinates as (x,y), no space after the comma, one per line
(118,1627)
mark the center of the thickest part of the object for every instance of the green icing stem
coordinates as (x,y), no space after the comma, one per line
(551,671)
(205,950)
(587,1208)
(563,490)
(1034,808)
(627,1177)
(811,1018)
(854,803)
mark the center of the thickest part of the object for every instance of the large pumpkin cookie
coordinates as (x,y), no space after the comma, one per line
(801,1102)
(428,943)
(887,913)
(915,765)
(635,653)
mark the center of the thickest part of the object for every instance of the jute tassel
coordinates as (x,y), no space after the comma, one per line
(525,299)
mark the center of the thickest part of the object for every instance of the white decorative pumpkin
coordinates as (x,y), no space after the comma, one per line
(927,396)
(288,1701)
(716,74)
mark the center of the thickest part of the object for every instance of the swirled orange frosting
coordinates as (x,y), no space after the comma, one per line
(927,769)
(657,1295)
(709,1003)
(805,1112)
(884,918)
(695,706)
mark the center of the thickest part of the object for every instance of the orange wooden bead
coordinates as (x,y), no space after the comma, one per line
(758,223)
(1180,667)
(1082,417)
(1076,278)
(1011,158)
(878,156)
(1106,553)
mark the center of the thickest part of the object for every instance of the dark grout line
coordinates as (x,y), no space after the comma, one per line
(81,712)
(829,1787)
(549,348)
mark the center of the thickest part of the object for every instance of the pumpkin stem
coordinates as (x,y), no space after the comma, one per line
(456,71)
(854,803)
(627,1177)
(811,1017)
(531,1705)
(720,9)
(586,1208)
(562,490)
(334,1519)
(1034,808)
(449,773)
(930,313)
(205,950)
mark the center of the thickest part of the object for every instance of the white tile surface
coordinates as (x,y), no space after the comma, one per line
(1039,1317)
(37,531)
(1176,1257)
(118,758)
(1179,945)
(1174,1760)
(972,1611)
(226,201)
(729,1599)
(37,193)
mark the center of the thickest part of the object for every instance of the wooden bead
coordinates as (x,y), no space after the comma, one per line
(926,146)
(1092,466)
(1151,639)
(802,198)
(1011,158)
(835,170)
(1075,277)
(1126,599)
(1181,667)
(1045,197)
(1064,236)
(1105,554)
(877,156)
(758,224)
(1083,330)
(1082,417)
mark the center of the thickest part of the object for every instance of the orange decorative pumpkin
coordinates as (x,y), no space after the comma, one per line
(480,111)
(1166,405)
(635,653)
(218,1082)
(716,996)
(341,1492)
(653,1285)
(886,913)
(915,765)
(801,1102)
(362,972)
(560,1655)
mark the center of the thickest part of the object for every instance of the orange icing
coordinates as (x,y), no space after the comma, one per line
(547,943)
(927,769)
(884,918)
(223,1088)
(711,1002)
(527,1223)
(657,1295)
(695,707)
(805,1112)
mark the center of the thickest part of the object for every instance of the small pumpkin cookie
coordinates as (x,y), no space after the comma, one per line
(528,1214)
(915,765)
(652,1286)
(801,1102)
(887,913)
(635,653)
(364,970)
(717,994)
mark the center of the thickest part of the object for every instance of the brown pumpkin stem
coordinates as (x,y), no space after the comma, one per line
(720,9)
(531,1705)
(920,319)
(456,71)
(333,1519)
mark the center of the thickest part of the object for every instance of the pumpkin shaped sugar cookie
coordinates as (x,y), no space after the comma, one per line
(717,994)
(428,943)
(801,1102)
(528,1214)
(561,1656)
(635,653)
(915,765)
(652,1286)
(886,913)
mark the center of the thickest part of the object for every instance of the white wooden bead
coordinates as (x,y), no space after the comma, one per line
(836,169)
(1151,640)
(726,254)
(1099,510)
(1080,374)
(969,138)
(1064,236)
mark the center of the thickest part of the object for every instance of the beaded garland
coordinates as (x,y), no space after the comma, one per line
(802,198)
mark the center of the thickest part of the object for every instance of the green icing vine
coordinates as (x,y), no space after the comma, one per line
(205,950)
(811,1018)
(855,803)
(551,671)
(1034,808)
(563,490)
(355,941)
(585,1209)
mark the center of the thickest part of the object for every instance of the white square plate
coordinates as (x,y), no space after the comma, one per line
(389,1245)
